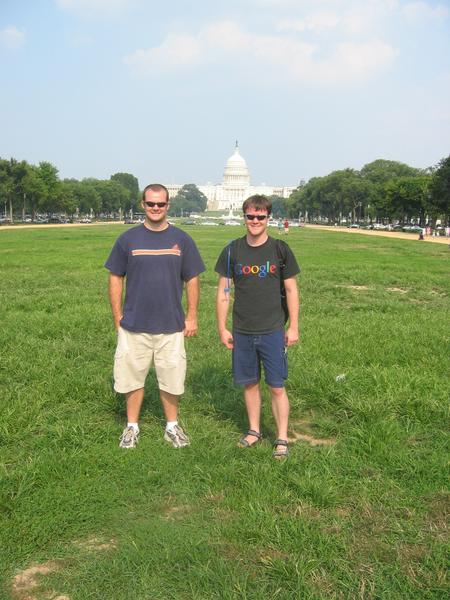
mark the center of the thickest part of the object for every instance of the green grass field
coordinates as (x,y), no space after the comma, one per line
(359,509)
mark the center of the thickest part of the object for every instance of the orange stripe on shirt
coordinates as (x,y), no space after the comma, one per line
(161,252)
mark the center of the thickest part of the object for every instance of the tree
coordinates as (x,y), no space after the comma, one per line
(189,199)
(34,190)
(381,171)
(407,197)
(52,200)
(12,173)
(130,183)
(439,201)
(279,209)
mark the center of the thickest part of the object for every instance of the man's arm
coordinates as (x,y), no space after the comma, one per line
(222,305)
(192,298)
(293,304)
(115,288)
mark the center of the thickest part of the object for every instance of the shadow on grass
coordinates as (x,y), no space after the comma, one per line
(214,393)
(150,407)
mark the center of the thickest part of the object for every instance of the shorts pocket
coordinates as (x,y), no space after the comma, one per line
(122,343)
(284,362)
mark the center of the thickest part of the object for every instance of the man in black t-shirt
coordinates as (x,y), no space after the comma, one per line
(262,269)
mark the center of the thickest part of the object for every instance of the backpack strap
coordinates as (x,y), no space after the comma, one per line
(281,254)
(230,262)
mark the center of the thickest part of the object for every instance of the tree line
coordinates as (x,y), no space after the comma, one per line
(27,189)
(31,190)
(382,190)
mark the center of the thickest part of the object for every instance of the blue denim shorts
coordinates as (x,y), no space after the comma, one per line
(250,350)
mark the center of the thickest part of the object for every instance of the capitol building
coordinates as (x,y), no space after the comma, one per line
(235,187)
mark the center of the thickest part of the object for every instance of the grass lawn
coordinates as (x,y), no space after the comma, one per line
(359,509)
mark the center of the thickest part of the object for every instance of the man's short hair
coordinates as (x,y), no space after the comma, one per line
(258,202)
(155,187)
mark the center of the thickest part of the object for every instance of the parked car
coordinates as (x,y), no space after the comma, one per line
(211,223)
(188,222)
(232,223)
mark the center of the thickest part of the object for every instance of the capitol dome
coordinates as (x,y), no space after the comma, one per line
(236,172)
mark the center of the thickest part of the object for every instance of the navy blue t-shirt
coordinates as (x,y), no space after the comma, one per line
(156,264)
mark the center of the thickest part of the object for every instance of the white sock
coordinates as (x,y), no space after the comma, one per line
(171,424)
(135,426)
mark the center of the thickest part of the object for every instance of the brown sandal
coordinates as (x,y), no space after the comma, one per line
(243,443)
(284,453)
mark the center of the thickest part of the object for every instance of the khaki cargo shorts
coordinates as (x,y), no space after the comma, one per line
(137,352)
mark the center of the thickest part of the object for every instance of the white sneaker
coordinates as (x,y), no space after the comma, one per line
(176,437)
(129,438)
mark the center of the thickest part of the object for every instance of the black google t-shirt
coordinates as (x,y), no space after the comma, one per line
(255,271)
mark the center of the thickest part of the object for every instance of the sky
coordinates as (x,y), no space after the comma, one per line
(163,89)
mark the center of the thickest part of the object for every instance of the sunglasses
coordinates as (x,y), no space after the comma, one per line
(153,204)
(253,217)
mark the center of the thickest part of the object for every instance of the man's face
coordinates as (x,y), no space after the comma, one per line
(153,212)
(256,226)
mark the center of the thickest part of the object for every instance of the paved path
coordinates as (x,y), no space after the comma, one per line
(392,234)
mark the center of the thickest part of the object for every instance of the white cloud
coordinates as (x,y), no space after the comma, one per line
(12,38)
(226,41)
(341,16)
(176,51)
(317,22)
(421,11)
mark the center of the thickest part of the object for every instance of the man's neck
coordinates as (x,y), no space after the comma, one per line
(156,226)
(257,240)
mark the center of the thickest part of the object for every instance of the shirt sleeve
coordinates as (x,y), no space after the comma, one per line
(222,264)
(118,259)
(291,267)
(193,264)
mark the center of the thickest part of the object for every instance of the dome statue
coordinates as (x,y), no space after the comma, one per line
(236,171)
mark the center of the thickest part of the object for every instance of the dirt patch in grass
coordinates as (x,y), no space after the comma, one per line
(177,513)
(324,584)
(215,497)
(438,515)
(95,544)
(267,556)
(27,582)
(300,431)
(397,290)
(355,287)
(436,292)
(28,585)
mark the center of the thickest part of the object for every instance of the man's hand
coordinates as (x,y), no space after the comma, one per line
(291,336)
(190,327)
(226,338)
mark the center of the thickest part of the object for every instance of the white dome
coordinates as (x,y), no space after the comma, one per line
(236,170)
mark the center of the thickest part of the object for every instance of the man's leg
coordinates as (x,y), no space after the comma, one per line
(273,355)
(173,433)
(134,402)
(252,397)
(280,411)
(170,405)
(131,364)
(170,365)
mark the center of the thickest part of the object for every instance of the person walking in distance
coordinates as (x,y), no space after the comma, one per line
(263,270)
(156,260)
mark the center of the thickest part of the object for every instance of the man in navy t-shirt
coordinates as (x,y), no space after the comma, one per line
(157,260)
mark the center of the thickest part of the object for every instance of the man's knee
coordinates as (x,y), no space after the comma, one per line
(277,392)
